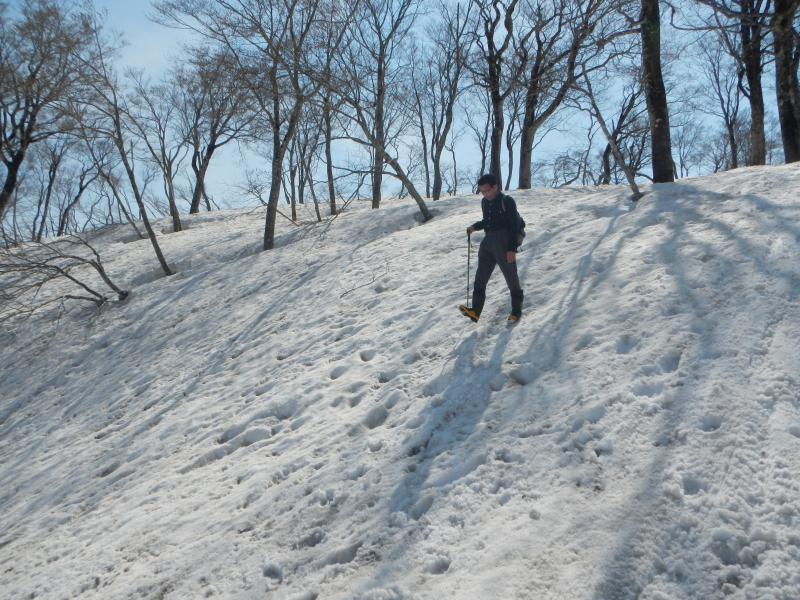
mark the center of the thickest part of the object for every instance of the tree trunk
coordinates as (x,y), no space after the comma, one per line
(380,134)
(606,178)
(438,150)
(200,167)
(120,145)
(485,140)
(424,138)
(526,158)
(292,192)
(279,146)
(12,172)
(83,185)
(312,190)
(531,123)
(301,184)
(786,84)
(52,173)
(498,124)
(326,111)
(510,148)
(612,143)
(426,215)
(274,192)
(145,220)
(733,144)
(455,170)
(436,189)
(656,95)
(529,128)
(173,206)
(750,31)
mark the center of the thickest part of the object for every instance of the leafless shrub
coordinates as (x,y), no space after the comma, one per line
(39,274)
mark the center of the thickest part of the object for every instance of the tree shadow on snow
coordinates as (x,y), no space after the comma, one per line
(448,444)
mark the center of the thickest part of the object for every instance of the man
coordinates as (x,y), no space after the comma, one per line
(502,224)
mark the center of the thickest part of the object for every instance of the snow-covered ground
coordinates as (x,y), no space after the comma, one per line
(319,422)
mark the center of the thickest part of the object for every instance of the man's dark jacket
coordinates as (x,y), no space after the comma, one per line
(501,213)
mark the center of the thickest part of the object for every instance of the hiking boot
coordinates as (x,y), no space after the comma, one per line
(470,313)
(516,305)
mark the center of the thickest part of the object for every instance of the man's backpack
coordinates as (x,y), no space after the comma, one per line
(521,229)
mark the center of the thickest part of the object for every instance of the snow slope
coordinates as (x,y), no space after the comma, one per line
(318,421)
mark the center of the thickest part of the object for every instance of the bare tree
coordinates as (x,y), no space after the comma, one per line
(46,169)
(787,57)
(514,113)
(38,73)
(334,20)
(499,62)
(58,176)
(720,90)
(371,84)
(688,139)
(215,108)
(309,143)
(104,113)
(743,27)
(155,121)
(567,35)
(479,122)
(584,86)
(655,92)
(437,91)
(26,272)
(327,113)
(101,153)
(276,59)
(629,132)
(80,180)
(369,77)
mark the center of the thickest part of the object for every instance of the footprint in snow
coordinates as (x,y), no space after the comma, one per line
(437,565)
(393,398)
(387,376)
(338,371)
(670,362)
(311,539)
(710,423)
(692,484)
(411,357)
(376,416)
(523,375)
(497,382)
(626,343)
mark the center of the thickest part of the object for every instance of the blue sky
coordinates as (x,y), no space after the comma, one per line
(152,47)
(149,45)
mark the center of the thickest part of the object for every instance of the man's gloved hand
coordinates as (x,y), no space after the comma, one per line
(511,257)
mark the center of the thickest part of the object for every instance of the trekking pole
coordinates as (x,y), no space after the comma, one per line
(469,254)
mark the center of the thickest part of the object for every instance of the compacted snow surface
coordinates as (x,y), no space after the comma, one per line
(319,421)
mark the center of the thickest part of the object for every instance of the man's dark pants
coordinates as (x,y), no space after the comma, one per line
(492,252)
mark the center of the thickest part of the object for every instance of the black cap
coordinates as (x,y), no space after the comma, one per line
(487,179)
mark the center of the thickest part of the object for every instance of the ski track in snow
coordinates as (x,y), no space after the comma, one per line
(319,422)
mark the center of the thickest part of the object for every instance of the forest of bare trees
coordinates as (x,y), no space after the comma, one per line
(375,98)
